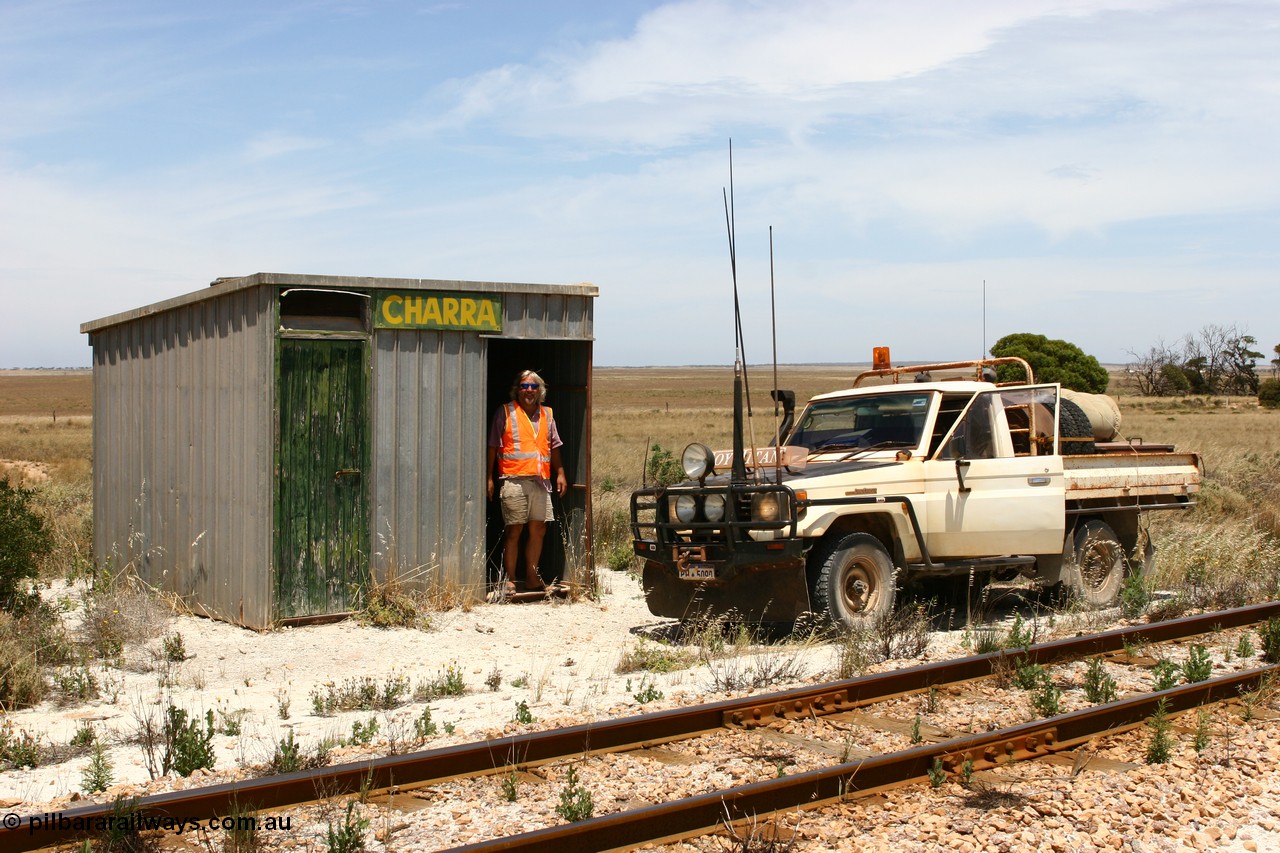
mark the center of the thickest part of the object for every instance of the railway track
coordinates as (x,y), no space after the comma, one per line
(849,776)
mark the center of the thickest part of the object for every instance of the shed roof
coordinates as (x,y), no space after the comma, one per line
(221,286)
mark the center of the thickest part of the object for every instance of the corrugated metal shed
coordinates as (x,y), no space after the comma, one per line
(266,446)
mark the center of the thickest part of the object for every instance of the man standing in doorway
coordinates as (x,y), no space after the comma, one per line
(524,454)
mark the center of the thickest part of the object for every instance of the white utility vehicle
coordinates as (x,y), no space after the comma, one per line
(915,475)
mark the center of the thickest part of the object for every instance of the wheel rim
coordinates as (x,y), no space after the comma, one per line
(1100,560)
(859,589)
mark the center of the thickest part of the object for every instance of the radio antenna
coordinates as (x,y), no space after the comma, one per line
(739,470)
(773,328)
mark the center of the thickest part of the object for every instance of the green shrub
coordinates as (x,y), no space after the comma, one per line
(1160,748)
(1271,640)
(1198,666)
(575,799)
(18,748)
(187,748)
(1099,687)
(663,467)
(287,757)
(24,541)
(349,837)
(97,774)
(1269,393)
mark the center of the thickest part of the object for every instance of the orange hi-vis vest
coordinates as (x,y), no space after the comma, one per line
(526,448)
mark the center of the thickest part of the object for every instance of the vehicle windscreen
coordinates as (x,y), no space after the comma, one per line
(888,420)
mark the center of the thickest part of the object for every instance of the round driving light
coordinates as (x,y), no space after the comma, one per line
(713,507)
(686,508)
(697,461)
(766,507)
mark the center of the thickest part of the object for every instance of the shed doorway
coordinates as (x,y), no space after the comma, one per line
(322,491)
(565,366)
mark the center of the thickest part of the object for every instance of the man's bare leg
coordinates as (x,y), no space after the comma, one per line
(533,553)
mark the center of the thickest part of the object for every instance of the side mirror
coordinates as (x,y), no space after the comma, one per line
(788,401)
(962,466)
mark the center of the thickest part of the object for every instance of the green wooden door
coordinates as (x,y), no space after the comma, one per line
(322,516)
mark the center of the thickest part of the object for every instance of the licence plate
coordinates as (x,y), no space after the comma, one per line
(697,572)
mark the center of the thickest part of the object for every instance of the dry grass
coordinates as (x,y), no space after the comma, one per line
(1230,537)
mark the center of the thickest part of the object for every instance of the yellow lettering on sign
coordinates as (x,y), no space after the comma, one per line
(439,311)
(413,310)
(387,304)
(432,315)
(450,311)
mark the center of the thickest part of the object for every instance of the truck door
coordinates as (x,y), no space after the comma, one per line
(992,489)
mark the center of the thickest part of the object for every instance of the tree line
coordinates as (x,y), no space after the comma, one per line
(1214,360)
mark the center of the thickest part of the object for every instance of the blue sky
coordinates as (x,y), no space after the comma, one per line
(1108,168)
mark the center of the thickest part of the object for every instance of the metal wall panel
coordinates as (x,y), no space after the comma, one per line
(543,316)
(182,451)
(429,445)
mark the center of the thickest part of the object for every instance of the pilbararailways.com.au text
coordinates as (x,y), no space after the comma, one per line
(138,822)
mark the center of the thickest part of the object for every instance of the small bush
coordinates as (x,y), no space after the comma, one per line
(349,837)
(575,799)
(1134,596)
(646,657)
(117,613)
(1099,687)
(1271,640)
(363,733)
(448,683)
(1198,666)
(390,604)
(423,726)
(1164,675)
(287,757)
(663,467)
(174,648)
(97,773)
(187,748)
(1160,748)
(24,542)
(1269,393)
(360,694)
(22,683)
(18,748)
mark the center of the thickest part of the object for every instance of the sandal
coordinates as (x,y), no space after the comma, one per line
(508,589)
(530,588)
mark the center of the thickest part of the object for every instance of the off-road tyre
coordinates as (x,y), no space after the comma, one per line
(855,583)
(1095,574)
(1075,430)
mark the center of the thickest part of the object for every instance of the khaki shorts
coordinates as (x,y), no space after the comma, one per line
(525,499)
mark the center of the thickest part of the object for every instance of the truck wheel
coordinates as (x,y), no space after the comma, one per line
(1096,573)
(856,583)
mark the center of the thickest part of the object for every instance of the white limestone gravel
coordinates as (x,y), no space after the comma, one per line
(560,660)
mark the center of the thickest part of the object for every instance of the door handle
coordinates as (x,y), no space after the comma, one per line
(1037,481)
(346,472)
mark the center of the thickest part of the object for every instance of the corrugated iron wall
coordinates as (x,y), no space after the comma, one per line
(428,459)
(182,451)
(430,427)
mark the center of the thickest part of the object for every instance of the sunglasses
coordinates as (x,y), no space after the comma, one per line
(529,386)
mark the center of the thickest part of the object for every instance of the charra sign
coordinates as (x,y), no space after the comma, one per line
(480,312)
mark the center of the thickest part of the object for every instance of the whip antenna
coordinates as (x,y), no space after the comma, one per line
(739,471)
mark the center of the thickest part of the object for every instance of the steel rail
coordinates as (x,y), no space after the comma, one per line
(686,818)
(499,754)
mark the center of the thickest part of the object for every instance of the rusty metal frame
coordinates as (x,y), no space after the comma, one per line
(976,365)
